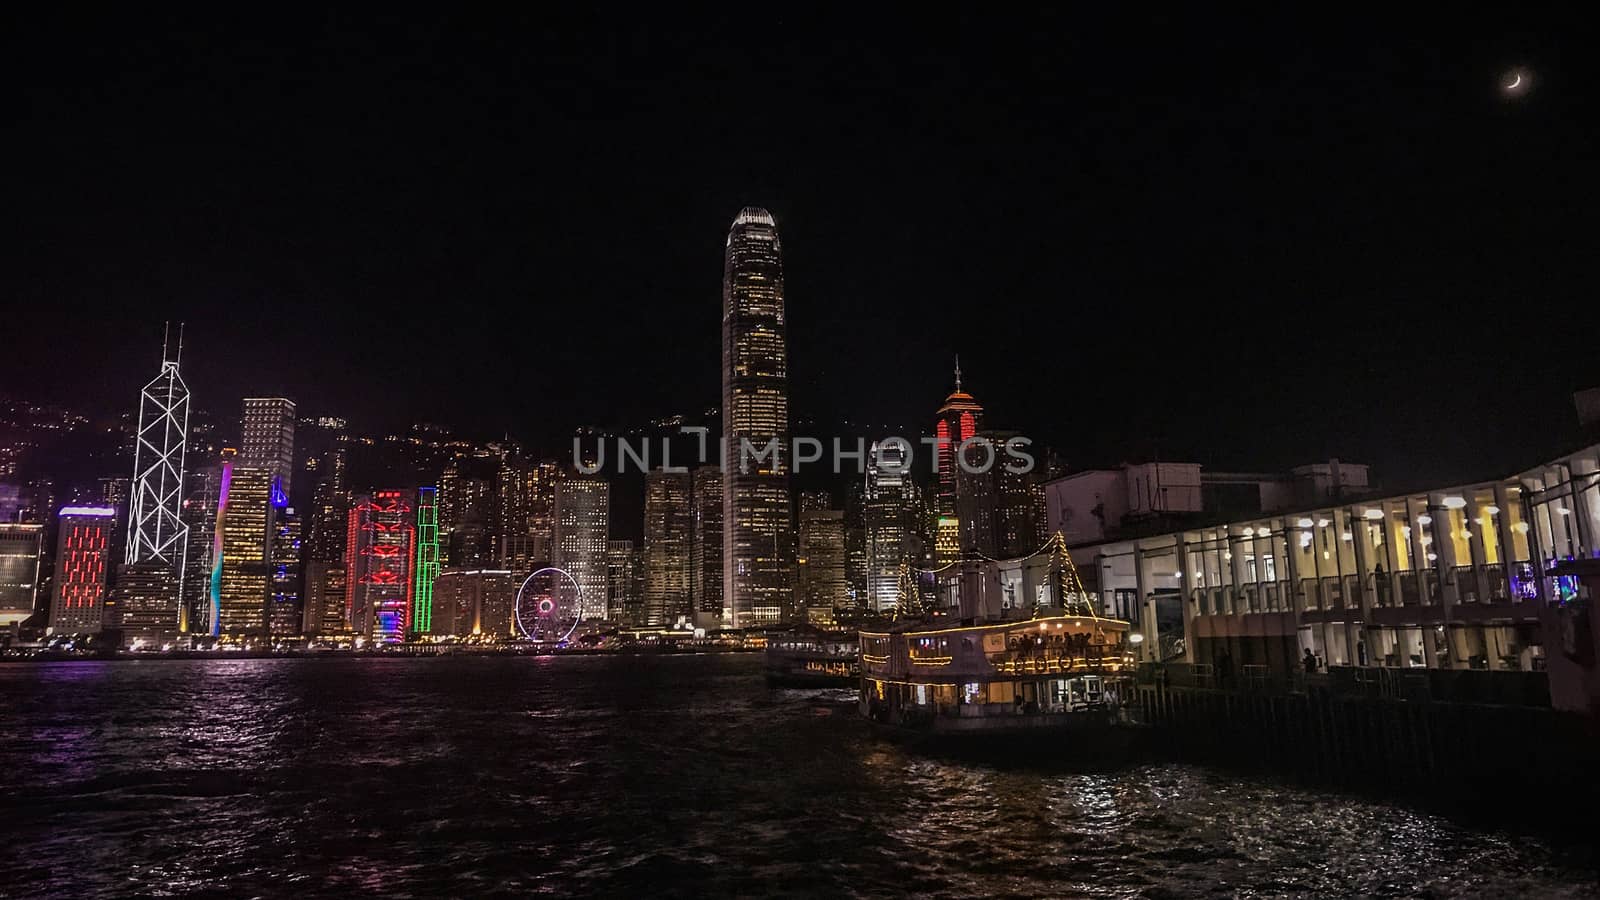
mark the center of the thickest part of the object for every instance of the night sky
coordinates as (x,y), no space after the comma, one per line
(1249,243)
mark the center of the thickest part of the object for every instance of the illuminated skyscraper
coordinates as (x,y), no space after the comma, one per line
(146,604)
(855,542)
(958,420)
(524,492)
(20,548)
(267,436)
(325,610)
(705,552)
(78,598)
(285,610)
(1001,511)
(889,511)
(582,535)
(757,571)
(379,559)
(466,510)
(541,514)
(156,533)
(668,533)
(427,568)
(242,567)
(821,565)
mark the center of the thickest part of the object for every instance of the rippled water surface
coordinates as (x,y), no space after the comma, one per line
(479,777)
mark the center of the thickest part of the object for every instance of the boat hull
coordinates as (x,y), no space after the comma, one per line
(1094,737)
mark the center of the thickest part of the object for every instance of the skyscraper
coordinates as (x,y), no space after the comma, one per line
(157,536)
(705,551)
(330,507)
(958,420)
(285,610)
(821,565)
(242,565)
(20,548)
(582,535)
(758,579)
(1001,511)
(668,533)
(524,491)
(146,604)
(78,598)
(267,437)
(201,503)
(889,511)
(427,567)
(541,514)
(466,509)
(625,596)
(325,609)
(379,557)
(855,543)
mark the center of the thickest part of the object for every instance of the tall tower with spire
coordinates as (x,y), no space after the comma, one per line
(957,420)
(757,564)
(156,532)
(146,603)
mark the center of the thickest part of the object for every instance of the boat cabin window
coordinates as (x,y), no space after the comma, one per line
(875,649)
(931,649)
(1002,692)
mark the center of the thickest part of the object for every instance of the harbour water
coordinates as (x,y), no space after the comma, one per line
(647,776)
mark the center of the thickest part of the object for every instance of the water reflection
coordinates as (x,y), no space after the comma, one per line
(659,776)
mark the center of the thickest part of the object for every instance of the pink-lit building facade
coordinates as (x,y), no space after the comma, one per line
(381,561)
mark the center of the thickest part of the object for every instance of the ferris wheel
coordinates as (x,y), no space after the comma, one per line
(548,606)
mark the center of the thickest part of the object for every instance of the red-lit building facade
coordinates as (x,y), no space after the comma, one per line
(78,599)
(381,560)
(958,420)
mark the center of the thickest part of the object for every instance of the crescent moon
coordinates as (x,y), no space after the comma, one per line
(1515,82)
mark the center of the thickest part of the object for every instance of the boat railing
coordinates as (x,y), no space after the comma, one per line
(1052,660)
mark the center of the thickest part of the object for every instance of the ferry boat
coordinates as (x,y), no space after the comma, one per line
(1002,671)
(811,658)
(1058,672)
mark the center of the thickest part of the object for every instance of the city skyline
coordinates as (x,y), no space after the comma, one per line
(260,567)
